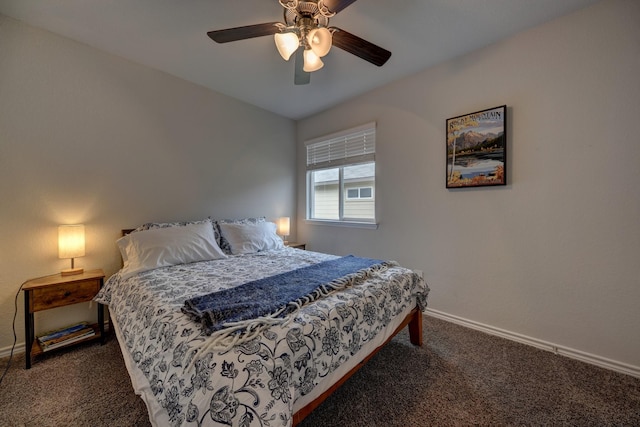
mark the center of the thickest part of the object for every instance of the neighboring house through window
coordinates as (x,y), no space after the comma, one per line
(341,174)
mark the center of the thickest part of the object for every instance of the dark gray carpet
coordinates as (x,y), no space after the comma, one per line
(459,377)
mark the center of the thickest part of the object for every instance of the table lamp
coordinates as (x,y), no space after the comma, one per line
(71,245)
(284,227)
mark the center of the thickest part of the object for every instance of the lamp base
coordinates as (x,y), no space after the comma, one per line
(72,271)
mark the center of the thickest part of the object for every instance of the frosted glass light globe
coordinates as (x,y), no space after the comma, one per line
(319,40)
(312,62)
(286,43)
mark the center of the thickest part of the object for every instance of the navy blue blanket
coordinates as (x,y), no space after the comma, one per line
(269,295)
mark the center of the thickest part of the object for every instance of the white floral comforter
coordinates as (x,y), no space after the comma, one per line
(255,383)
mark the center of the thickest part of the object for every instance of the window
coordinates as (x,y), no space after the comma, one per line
(341,173)
(359,193)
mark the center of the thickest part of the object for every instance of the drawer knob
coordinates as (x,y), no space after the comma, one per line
(66,294)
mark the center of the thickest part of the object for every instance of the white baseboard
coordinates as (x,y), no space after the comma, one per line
(544,345)
(523,339)
(6,352)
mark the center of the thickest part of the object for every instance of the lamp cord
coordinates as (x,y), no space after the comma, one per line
(15,313)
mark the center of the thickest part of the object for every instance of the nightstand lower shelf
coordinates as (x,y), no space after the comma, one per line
(36,348)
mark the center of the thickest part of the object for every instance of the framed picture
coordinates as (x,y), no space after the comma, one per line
(477,149)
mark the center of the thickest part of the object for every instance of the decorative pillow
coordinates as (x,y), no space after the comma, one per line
(152,225)
(224,243)
(165,246)
(250,238)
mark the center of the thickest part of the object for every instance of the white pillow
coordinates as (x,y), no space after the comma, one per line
(250,238)
(162,247)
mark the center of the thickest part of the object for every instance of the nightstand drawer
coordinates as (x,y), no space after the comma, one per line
(63,294)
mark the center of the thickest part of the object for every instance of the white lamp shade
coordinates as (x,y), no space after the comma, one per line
(70,241)
(312,62)
(286,43)
(319,40)
(284,226)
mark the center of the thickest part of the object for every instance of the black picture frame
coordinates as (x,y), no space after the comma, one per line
(476,146)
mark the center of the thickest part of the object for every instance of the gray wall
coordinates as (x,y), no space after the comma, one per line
(87,137)
(553,256)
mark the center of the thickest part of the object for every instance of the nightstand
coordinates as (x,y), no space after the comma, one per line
(296,245)
(57,291)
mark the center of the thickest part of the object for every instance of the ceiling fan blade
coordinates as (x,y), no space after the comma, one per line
(301,77)
(336,6)
(360,47)
(246,32)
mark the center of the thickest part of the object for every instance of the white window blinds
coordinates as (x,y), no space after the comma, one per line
(356,145)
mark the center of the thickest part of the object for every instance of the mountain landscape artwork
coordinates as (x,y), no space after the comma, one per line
(477,149)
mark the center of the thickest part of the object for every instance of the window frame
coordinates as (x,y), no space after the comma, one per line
(336,151)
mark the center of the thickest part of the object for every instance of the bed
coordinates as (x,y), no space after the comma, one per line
(265,370)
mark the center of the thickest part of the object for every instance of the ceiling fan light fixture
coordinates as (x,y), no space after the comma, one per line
(312,62)
(306,32)
(319,40)
(286,43)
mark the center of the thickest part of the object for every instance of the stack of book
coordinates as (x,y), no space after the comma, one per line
(64,336)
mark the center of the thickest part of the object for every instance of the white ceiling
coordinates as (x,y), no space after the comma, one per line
(170,35)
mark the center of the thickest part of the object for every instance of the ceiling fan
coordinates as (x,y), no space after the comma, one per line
(306,32)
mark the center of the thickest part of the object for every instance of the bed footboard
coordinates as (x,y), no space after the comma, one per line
(413,319)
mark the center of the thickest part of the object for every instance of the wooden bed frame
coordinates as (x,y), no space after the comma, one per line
(413,320)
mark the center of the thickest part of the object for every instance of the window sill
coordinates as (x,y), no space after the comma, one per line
(352,224)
